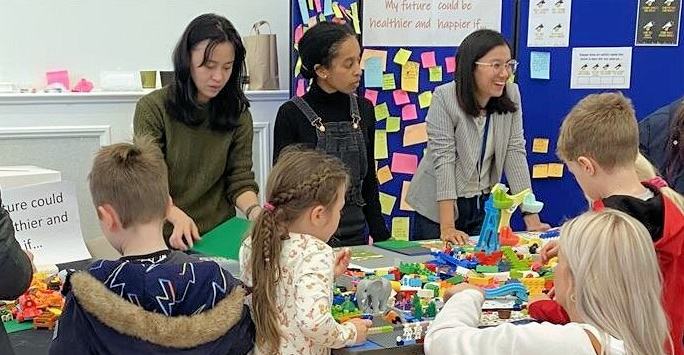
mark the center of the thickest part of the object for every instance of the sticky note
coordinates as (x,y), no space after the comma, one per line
(425,99)
(393,124)
(540,145)
(409,76)
(312,21)
(317,5)
(298,67)
(387,203)
(404,163)
(556,170)
(372,74)
(409,112)
(540,171)
(415,134)
(384,174)
(403,205)
(381,145)
(400,97)
(336,10)
(311,5)
(370,53)
(428,59)
(540,65)
(450,63)
(354,14)
(303,11)
(402,56)
(388,82)
(400,228)
(435,74)
(381,111)
(371,95)
(327,7)
(298,33)
(301,87)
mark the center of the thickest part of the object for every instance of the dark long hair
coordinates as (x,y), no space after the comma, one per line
(231,101)
(674,154)
(319,46)
(474,47)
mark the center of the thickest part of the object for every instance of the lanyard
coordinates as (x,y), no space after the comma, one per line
(483,148)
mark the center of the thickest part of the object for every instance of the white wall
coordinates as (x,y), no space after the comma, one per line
(89,36)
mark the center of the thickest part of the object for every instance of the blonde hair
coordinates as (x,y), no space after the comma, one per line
(133,179)
(602,127)
(609,254)
(299,180)
(646,171)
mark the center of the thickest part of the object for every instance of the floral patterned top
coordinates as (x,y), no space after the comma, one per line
(304,297)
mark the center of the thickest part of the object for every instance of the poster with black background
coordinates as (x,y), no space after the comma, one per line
(658,22)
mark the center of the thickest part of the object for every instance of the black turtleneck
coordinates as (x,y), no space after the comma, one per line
(291,126)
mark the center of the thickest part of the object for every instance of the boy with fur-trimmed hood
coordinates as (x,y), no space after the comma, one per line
(152,300)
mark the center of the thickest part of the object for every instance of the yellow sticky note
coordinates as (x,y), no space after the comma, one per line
(415,134)
(435,74)
(540,145)
(403,205)
(336,10)
(540,171)
(298,66)
(393,124)
(387,203)
(354,14)
(381,111)
(311,5)
(409,76)
(384,174)
(402,56)
(425,99)
(556,170)
(388,82)
(400,228)
(381,151)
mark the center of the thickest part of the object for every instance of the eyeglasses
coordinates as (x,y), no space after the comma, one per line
(510,65)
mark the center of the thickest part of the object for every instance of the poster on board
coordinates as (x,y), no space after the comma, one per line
(658,23)
(549,23)
(601,68)
(426,23)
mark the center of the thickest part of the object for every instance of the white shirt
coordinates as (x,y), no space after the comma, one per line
(303,297)
(455,331)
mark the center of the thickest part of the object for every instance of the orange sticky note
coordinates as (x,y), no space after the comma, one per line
(400,97)
(556,170)
(428,59)
(450,63)
(409,112)
(403,205)
(540,171)
(367,53)
(409,76)
(404,163)
(384,174)
(415,134)
(540,145)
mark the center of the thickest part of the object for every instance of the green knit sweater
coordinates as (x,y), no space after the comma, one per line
(208,170)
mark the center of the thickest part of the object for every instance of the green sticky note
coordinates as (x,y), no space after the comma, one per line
(381,111)
(387,203)
(388,82)
(224,240)
(400,228)
(381,151)
(402,56)
(393,124)
(435,74)
(425,99)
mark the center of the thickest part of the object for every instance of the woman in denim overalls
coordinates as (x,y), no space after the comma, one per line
(332,118)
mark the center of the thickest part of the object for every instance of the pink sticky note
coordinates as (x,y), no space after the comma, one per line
(404,163)
(400,97)
(428,59)
(301,83)
(317,5)
(61,77)
(450,64)
(299,32)
(409,112)
(371,95)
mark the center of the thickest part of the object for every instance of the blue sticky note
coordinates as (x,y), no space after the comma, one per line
(372,74)
(327,8)
(304,10)
(540,65)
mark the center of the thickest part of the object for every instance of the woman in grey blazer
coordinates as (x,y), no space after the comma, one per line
(475,135)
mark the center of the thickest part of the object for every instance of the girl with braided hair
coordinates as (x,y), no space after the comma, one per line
(288,263)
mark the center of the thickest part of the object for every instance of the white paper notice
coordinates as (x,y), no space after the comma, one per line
(426,23)
(46,221)
(549,23)
(601,68)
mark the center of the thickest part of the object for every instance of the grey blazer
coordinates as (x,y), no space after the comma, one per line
(453,150)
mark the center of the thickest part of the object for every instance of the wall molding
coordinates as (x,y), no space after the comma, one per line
(101,132)
(262,133)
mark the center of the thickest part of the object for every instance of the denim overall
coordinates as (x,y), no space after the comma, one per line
(345,141)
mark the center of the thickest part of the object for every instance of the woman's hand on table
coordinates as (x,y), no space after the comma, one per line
(454,236)
(534,224)
(185,230)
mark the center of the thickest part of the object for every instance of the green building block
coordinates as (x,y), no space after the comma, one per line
(487,268)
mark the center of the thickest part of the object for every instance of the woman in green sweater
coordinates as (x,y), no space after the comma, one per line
(204,128)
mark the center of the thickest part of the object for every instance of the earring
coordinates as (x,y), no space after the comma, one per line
(573,299)
(325,76)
